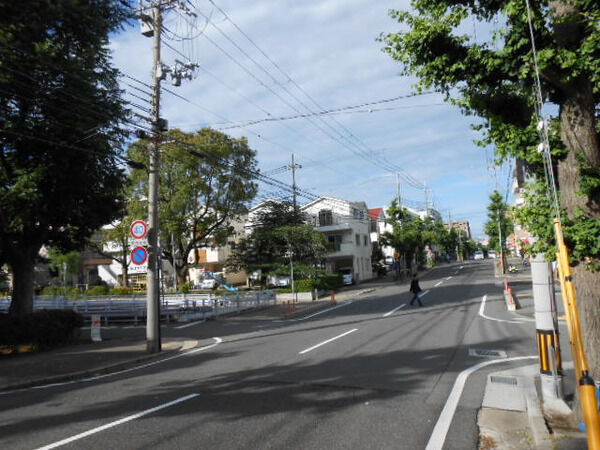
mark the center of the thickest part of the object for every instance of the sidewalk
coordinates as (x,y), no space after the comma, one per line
(79,361)
(513,414)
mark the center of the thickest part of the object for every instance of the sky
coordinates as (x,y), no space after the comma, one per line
(264,59)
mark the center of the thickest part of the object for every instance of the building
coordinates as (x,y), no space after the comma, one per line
(462,227)
(379,224)
(347,230)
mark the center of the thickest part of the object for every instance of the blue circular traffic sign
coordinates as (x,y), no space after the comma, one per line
(139,229)
(139,255)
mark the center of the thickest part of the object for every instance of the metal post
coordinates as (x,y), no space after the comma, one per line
(153,344)
(546,328)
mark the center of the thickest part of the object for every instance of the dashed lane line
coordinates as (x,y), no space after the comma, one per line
(327,341)
(117,422)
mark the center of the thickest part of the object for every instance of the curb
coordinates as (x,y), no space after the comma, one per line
(103,370)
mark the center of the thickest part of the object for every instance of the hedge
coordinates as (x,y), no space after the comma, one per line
(47,328)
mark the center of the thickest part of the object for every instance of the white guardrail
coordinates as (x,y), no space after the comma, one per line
(174,307)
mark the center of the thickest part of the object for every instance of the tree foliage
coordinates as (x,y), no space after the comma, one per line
(59,130)
(499,225)
(278,232)
(206,182)
(494,78)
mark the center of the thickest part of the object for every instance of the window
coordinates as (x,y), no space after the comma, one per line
(365,240)
(357,239)
(325,217)
(373,226)
(334,242)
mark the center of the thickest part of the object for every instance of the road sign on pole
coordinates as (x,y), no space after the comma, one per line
(139,255)
(138,229)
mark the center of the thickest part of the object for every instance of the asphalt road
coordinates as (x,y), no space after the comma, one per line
(370,374)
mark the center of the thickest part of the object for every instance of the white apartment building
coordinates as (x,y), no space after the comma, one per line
(346,227)
(379,225)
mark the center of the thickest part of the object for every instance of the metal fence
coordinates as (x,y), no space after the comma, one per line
(174,307)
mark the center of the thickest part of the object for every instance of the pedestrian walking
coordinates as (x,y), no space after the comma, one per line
(415,289)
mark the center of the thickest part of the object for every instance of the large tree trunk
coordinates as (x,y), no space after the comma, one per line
(22,263)
(578,132)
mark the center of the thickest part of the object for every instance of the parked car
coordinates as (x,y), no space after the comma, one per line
(492,254)
(478,255)
(278,281)
(347,277)
(208,283)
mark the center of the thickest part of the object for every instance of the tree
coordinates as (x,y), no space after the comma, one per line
(278,232)
(59,130)
(406,236)
(495,81)
(206,182)
(499,225)
(64,264)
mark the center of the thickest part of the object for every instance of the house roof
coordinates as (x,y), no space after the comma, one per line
(376,213)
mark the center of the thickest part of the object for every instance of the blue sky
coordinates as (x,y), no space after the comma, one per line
(329,49)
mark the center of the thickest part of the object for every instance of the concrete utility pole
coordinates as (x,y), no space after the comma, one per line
(546,325)
(153,340)
(398,190)
(294,167)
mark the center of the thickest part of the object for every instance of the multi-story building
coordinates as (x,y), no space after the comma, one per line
(379,224)
(346,227)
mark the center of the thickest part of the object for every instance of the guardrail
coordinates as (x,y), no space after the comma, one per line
(178,307)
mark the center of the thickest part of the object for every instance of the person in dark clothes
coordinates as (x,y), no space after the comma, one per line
(415,289)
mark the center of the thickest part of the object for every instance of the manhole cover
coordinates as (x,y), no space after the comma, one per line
(503,380)
(480,353)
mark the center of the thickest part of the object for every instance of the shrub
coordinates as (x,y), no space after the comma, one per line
(186,288)
(47,328)
(68,291)
(97,290)
(329,282)
(121,290)
(304,285)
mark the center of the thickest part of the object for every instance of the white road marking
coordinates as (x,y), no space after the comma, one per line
(438,283)
(131,369)
(438,436)
(425,293)
(327,341)
(461,267)
(117,422)
(447,278)
(324,311)
(394,310)
(482,314)
(191,324)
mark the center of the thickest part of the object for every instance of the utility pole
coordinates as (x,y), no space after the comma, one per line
(426,199)
(294,166)
(153,340)
(398,190)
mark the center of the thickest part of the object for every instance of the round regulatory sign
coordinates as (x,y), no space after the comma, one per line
(139,255)
(139,229)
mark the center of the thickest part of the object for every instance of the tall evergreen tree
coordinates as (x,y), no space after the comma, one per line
(60,111)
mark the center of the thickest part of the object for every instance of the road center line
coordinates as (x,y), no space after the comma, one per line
(191,324)
(324,311)
(482,314)
(447,278)
(328,341)
(438,283)
(438,436)
(394,310)
(117,422)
